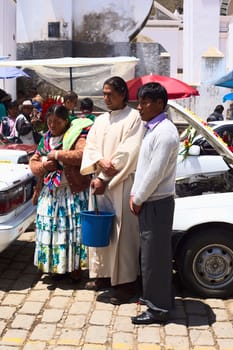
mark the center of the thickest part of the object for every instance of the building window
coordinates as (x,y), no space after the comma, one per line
(54,29)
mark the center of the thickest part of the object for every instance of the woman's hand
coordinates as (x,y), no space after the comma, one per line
(50,165)
(98,186)
(107,167)
(52,155)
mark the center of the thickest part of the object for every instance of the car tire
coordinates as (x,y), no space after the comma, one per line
(205,262)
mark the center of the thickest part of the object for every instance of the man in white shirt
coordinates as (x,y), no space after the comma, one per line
(152,199)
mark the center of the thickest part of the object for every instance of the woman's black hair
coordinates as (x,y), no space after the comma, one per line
(119,85)
(154,91)
(70,95)
(59,110)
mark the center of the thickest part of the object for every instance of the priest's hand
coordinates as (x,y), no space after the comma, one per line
(98,186)
(107,167)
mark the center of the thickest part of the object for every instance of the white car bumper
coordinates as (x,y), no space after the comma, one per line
(11,229)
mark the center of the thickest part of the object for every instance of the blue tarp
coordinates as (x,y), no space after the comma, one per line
(225,81)
(228,97)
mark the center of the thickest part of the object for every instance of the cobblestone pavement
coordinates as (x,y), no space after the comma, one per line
(38,312)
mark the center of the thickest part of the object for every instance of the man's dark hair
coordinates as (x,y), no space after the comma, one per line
(12,104)
(219,108)
(3,94)
(154,91)
(86,104)
(119,85)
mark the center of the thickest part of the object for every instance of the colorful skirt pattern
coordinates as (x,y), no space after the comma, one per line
(58,231)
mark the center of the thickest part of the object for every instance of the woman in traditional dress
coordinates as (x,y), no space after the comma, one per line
(62,193)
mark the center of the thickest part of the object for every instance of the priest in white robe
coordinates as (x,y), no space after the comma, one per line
(111,152)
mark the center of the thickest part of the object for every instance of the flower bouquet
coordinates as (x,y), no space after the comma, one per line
(189,135)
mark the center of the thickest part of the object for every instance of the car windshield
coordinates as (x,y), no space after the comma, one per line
(211,124)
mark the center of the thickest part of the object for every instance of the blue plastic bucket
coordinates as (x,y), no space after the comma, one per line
(96,228)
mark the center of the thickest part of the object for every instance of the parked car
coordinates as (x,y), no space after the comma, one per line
(16,210)
(203,243)
(224,129)
(202,168)
(11,152)
(197,174)
(16,188)
(203,224)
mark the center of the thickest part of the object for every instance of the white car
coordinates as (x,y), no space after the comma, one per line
(16,188)
(203,224)
(16,210)
(224,128)
(203,243)
(11,152)
(203,168)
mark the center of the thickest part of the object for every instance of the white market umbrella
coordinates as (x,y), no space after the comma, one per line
(11,73)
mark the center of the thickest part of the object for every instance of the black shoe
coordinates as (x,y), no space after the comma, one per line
(149,317)
(123,299)
(123,293)
(141,301)
(98,284)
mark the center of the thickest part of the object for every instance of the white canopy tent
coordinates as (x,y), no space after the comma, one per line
(85,75)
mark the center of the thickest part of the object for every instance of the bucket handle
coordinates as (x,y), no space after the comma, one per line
(96,209)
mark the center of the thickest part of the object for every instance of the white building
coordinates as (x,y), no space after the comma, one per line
(56,28)
(197,47)
(199,44)
(8,38)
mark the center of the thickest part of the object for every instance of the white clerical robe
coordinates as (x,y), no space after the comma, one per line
(116,136)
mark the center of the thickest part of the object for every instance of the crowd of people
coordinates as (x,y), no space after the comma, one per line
(20,120)
(126,160)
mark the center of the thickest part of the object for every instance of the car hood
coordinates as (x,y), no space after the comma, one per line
(19,147)
(204,129)
(196,210)
(16,153)
(13,174)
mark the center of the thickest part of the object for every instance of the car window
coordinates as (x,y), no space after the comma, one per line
(226,133)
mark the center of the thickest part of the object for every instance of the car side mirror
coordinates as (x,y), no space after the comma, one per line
(194,150)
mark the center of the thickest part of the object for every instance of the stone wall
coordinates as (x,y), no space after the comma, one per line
(44,49)
(151,61)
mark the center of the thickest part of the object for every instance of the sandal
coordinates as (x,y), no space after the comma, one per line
(76,275)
